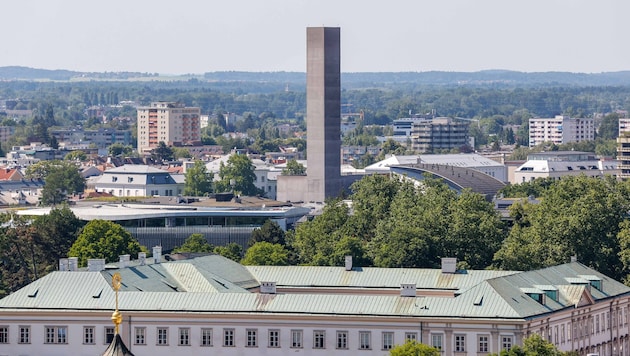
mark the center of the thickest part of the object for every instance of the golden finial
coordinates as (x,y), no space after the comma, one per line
(116,316)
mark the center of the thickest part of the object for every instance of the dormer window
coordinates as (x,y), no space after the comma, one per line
(536,294)
(593,281)
(114,179)
(129,179)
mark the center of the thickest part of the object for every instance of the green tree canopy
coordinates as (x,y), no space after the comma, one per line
(195,243)
(118,149)
(162,152)
(270,232)
(76,156)
(533,345)
(237,175)
(198,181)
(103,239)
(232,251)
(294,168)
(60,179)
(266,254)
(413,348)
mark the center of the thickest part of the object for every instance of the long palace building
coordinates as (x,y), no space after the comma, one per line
(214,305)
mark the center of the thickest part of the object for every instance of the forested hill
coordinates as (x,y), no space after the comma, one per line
(349,80)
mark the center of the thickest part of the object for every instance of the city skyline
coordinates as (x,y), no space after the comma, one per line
(249,35)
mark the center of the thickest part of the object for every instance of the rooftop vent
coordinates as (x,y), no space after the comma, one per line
(268,287)
(408,290)
(449,264)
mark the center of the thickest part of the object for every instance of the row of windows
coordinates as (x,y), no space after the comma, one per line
(59,335)
(459,342)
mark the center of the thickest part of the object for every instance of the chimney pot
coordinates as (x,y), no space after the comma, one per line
(348,263)
(73,264)
(407,289)
(96,264)
(142,256)
(268,287)
(157,254)
(124,261)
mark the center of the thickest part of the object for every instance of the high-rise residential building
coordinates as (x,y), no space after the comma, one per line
(623,155)
(323,112)
(441,133)
(168,122)
(560,129)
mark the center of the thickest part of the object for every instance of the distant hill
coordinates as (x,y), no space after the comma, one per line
(349,80)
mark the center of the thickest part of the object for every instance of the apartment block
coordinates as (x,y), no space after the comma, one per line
(168,122)
(560,129)
(442,133)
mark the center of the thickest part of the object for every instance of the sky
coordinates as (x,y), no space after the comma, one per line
(198,36)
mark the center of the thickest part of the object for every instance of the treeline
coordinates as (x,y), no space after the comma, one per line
(380,105)
(394,223)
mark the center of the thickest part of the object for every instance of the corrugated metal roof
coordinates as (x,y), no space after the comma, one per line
(503,296)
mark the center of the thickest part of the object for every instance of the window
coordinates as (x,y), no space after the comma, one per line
(597,323)
(319,339)
(364,340)
(506,343)
(411,336)
(296,339)
(388,340)
(274,338)
(460,343)
(162,336)
(4,334)
(206,337)
(25,335)
(228,337)
(140,336)
(342,339)
(56,334)
(88,335)
(436,341)
(109,334)
(483,343)
(252,337)
(184,337)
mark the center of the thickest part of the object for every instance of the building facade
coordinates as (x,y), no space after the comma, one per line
(623,156)
(168,122)
(442,133)
(133,180)
(558,164)
(213,305)
(560,130)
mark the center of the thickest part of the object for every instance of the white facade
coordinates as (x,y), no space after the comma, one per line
(171,123)
(560,129)
(139,181)
(559,164)
(214,305)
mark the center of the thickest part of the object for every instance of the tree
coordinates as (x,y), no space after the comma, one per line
(609,128)
(270,232)
(76,156)
(181,152)
(413,348)
(533,345)
(162,152)
(60,179)
(266,254)
(232,251)
(294,168)
(237,175)
(195,243)
(198,181)
(103,239)
(118,149)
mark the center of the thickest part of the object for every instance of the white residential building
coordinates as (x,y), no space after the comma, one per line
(214,305)
(168,122)
(133,180)
(560,129)
(559,164)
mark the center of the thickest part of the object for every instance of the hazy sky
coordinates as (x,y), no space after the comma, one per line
(197,36)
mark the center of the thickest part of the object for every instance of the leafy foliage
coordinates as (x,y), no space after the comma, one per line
(232,251)
(103,239)
(238,175)
(198,181)
(294,168)
(195,243)
(413,348)
(266,254)
(270,232)
(60,179)
(533,345)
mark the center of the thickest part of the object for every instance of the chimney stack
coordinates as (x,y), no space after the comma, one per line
(124,261)
(96,264)
(348,263)
(157,254)
(268,287)
(63,264)
(142,256)
(73,264)
(449,264)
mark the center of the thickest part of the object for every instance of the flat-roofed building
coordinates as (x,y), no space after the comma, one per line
(558,164)
(168,122)
(560,129)
(441,133)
